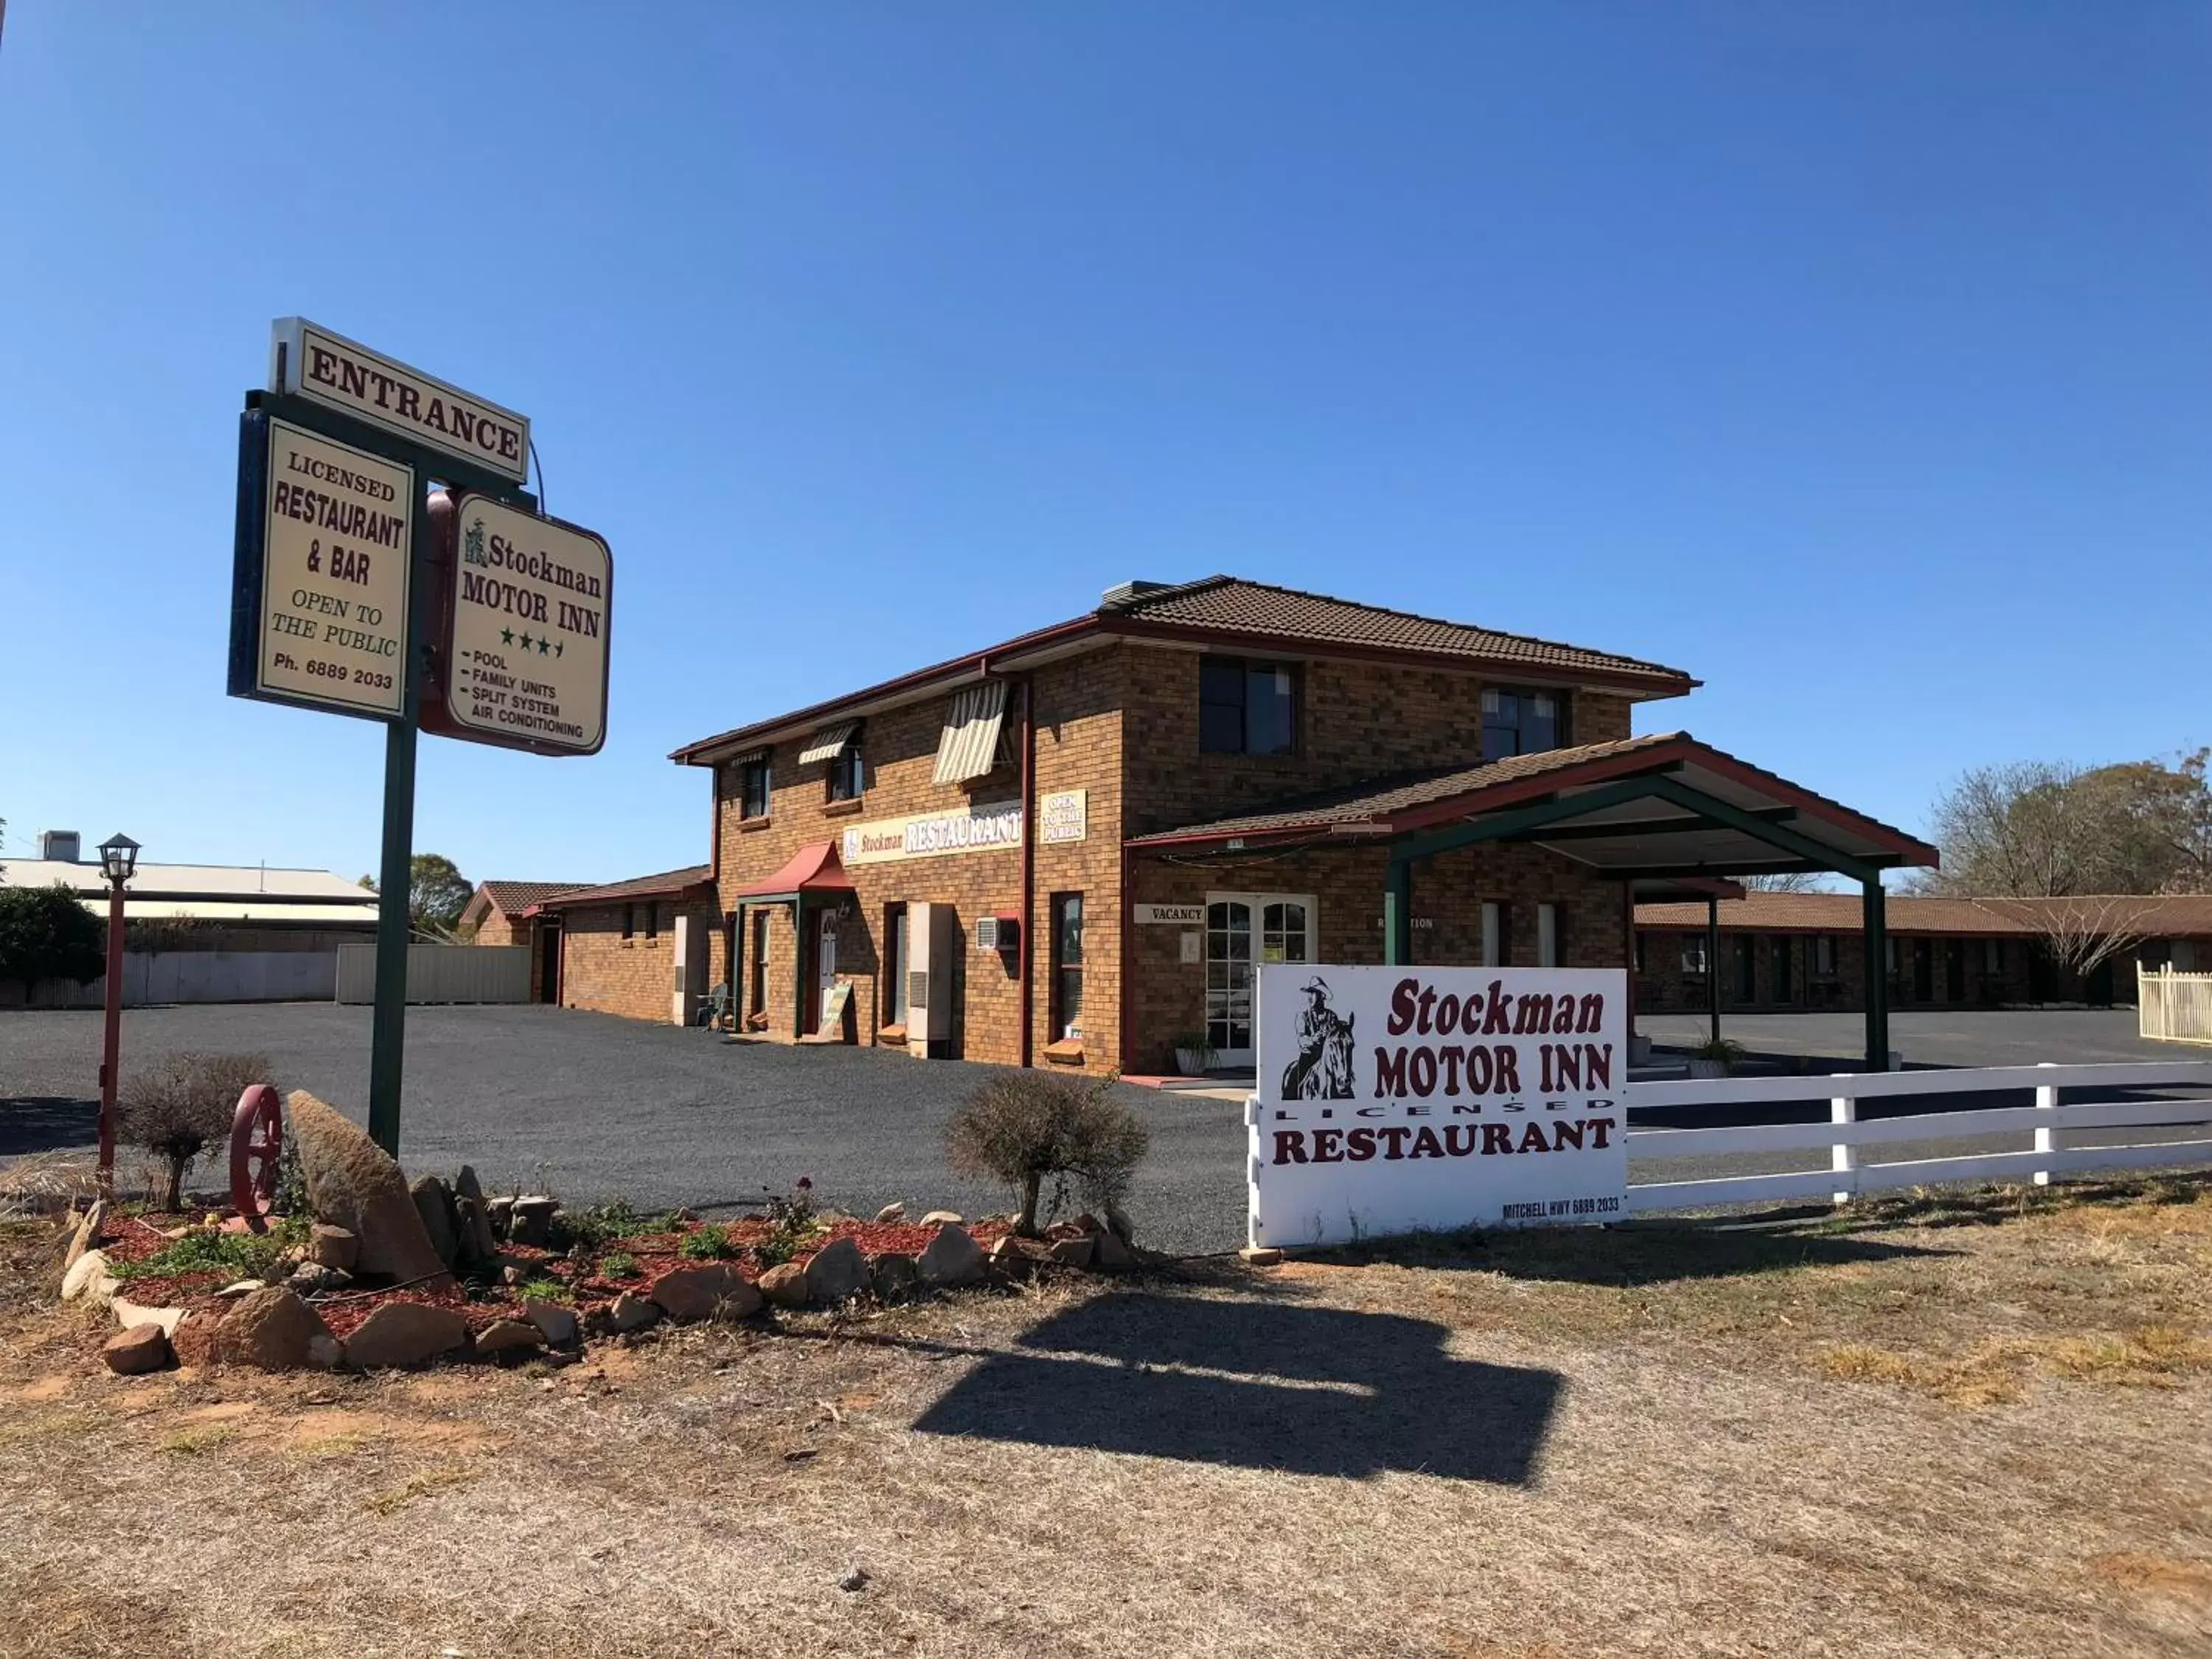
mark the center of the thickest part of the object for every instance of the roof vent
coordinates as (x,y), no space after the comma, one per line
(1126,595)
(61,846)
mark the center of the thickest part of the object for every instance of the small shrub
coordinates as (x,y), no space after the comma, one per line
(1022,1127)
(707,1243)
(617,1264)
(598,1226)
(542,1290)
(1726,1050)
(792,1223)
(234,1256)
(176,1109)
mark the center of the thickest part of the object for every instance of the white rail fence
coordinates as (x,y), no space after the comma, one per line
(2063,1139)
(442,973)
(2173,1007)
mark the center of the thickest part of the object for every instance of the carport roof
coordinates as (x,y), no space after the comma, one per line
(1659,808)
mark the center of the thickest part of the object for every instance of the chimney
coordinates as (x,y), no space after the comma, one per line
(1128,594)
(62,846)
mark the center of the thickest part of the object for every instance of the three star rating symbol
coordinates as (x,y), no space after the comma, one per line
(554,646)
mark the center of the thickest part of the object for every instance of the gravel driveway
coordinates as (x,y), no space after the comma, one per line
(593,1107)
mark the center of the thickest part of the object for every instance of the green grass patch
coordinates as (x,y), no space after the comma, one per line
(239,1255)
(708,1243)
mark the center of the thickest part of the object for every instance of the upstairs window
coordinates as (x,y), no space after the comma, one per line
(1246,708)
(753,787)
(848,774)
(1519,722)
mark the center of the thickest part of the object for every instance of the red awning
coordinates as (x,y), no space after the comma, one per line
(814,868)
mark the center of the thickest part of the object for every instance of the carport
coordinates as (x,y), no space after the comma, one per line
(1662,813)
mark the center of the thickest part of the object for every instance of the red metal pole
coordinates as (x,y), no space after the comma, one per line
(1029,868)
(113,1040)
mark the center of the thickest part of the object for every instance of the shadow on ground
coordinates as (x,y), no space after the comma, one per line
(1257,1385)
(1637,1253)
(44,1123)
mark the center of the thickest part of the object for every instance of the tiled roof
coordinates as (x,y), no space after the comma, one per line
(1233,604)
(513,897)
(1840,913)
(667,883)
(1376,798)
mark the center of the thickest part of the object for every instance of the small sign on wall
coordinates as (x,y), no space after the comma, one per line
(1170,915)
(1398,1099)
(1063,816)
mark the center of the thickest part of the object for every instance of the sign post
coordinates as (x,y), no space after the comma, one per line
(334,600)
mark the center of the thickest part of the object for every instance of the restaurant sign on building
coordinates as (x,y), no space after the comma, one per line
(934,835)
(1400,1099)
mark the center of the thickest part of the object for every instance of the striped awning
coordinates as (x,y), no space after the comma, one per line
(825,743)
(968,747)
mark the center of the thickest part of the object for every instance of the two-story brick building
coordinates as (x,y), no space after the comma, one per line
(1076,846)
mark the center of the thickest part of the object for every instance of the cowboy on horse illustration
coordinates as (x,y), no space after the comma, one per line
(1322,1070)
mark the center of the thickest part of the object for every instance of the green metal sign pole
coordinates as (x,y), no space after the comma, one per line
(387,1040)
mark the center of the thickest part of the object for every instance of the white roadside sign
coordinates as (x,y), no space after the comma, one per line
(313,362)
(1400,1099)
(526,653)
(336,540)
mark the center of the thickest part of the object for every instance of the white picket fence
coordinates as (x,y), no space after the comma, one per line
(2173,1007)
(442,973)
(2062,1139)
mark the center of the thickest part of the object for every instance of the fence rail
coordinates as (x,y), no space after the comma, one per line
(2173,1007)
(442,973)
(2057,1131)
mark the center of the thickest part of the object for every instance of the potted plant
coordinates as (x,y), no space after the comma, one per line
(1716,1058)
(1194,1055)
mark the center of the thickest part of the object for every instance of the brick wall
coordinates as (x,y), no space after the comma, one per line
(500,928)
(633,976)
(1076,722)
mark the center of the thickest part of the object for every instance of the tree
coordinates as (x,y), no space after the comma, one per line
(437,893)
(47,933)
(2082,931)
(1022,1127)
(1794,881)
(2048,829)
(180,1106)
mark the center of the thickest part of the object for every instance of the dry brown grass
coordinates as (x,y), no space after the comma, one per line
(1910,1430)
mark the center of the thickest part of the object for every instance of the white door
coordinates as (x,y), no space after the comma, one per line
(1243,930)
(825,963)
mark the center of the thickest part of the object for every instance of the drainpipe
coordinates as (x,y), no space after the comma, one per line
(1123,934)
(1027,965)
(1713,964)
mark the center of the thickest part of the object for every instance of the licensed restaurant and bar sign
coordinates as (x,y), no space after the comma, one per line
(319,593)
(328,369)
(523,657)
(1400,1099)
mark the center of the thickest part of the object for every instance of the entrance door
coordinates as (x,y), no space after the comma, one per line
(825,962)
(1243,930)
(1955,971)
(548,962)
(1923,970)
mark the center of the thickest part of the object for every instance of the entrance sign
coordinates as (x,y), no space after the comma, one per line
(523,657)
(1398,1099)
(933,834)
(319,581)
(328,369)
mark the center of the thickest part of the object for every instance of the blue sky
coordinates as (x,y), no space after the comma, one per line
(1852,358)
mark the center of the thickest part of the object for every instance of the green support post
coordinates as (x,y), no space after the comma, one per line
(1877,975)
(387,1039)
(1713,964)
(1398,915)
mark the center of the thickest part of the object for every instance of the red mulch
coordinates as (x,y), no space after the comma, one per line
(134,1238)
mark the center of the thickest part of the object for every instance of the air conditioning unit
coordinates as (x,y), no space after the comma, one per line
(933,979)
(1001,932)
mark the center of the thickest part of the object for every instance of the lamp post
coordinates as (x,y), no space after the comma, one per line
(119,860)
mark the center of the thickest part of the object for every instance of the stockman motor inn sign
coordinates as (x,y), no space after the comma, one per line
(320,593)
(523,649)
(329,368)
(1396,1099)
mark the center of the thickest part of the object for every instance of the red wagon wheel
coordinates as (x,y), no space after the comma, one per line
(256,1144)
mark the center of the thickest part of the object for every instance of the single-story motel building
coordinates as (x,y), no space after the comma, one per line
(1807,951)
(1074,847)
